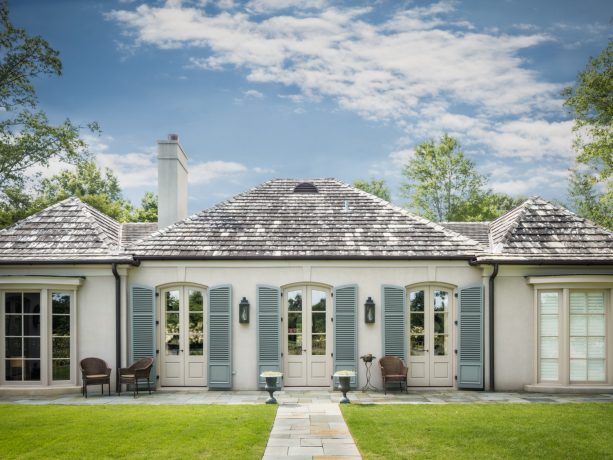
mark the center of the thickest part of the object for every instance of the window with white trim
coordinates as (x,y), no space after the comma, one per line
(572,336)
(38,340)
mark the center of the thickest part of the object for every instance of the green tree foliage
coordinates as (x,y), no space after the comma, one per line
(587,202)
(148,211)
(377,187)
(443,185)
(95,187)
(27,138)
(591,103)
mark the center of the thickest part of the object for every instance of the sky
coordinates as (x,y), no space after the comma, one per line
(262,89)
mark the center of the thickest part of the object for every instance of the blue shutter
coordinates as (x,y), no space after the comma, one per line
(142,326)
(220,337)
(470,338)
(269,330)
(394,340)
(346,330)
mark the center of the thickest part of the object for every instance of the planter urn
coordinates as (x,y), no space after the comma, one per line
(344,382)
(271,385)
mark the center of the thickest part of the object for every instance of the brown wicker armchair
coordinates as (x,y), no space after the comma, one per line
(95,371)
(393,370)
(140,370)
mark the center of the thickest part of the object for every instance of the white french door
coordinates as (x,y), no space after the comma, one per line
(183,326)
(307,344)
(429,332)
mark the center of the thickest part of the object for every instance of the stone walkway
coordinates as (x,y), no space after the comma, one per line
(310,431)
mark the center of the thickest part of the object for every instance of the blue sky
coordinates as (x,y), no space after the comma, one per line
(258,89)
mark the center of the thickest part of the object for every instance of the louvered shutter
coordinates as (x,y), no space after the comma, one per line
(142,326)
(394,340)
(269,338)
(470,338)
(346,330)
(220,337)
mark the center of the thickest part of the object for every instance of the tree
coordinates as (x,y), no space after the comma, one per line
(377,187)
(487,206)
(27,138)
(440,181)
(148,211)
(591,103)
(587,202)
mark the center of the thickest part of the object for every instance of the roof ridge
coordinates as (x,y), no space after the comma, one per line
(521,209)
(411,215)
(91,212)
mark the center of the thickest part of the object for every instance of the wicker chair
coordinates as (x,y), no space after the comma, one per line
(140,370)
(95,371)
(393,370)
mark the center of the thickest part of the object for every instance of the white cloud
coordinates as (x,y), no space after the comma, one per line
(259,170)
(267,6)
(254,94)
(202,173)
(420,68)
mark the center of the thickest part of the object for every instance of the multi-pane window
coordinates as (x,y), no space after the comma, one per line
(549,320)
(38,336)
(587,337)
(318,322)
(22,323)
(572,336)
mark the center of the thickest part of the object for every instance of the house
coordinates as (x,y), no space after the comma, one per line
(277,278)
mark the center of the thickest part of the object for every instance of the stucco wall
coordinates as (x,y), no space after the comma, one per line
(245,276)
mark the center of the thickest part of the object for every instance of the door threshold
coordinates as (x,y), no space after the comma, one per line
(180,388)
(286,388)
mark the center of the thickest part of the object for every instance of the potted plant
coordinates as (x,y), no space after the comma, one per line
(271,384)
(344,380)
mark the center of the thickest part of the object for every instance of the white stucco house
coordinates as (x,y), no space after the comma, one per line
(520,303)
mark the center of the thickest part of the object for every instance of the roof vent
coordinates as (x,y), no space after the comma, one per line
(305,187)
(173,137)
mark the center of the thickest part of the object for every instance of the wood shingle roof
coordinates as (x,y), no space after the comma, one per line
(271,221)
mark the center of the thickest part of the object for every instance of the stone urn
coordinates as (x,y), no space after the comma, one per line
(271,378)
(344,381)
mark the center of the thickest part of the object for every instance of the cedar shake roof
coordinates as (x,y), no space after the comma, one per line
(132,232)
(478,231)
(541,231)
(69,231)
(339,221)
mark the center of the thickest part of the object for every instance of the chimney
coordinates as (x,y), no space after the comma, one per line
(172,181)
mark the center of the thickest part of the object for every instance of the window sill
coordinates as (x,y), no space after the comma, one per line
(22,390)
(573,389)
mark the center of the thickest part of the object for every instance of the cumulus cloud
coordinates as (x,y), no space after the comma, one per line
(203,173)
(420,67)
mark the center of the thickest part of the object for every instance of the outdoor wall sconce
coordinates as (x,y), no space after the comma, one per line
(243,311)
(369,311)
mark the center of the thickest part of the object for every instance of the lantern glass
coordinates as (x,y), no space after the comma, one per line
(369,311)
(243,311)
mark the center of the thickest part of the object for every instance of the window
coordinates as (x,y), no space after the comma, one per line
(38,343)
(572,336)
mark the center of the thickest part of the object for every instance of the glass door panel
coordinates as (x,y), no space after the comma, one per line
(173,325)
(318,323)
(196,323)
(22,336)
(416,323)
(294,322)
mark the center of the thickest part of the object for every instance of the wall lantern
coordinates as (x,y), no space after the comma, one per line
(369,311)
(243,311)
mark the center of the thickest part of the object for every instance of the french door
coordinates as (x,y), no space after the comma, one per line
(429,322)
(183,326)
(307,344)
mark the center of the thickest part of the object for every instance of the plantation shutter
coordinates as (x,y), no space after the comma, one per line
(142,326)
(470,338)
(268,331)
(220,337)
(394,343)
(346,330)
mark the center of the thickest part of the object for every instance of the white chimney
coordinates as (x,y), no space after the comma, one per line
(172,181)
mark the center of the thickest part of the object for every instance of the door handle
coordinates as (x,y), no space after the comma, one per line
(181,351)
(427,351)
(304,350)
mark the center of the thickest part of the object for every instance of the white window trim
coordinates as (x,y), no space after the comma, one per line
(35,284)
(564,285)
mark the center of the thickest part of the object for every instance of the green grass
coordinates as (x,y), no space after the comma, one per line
(168,432)
(458,431)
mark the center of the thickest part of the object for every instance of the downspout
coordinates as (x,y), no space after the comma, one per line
(117,317)
(491,323)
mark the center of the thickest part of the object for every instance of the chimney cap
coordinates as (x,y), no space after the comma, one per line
(173,137)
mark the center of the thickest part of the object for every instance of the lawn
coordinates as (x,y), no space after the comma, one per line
(482,431)
(221,432)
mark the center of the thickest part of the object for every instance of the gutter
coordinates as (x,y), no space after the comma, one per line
(133,262)
(490,261)
(491,324)
(139,258)
(117,319)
